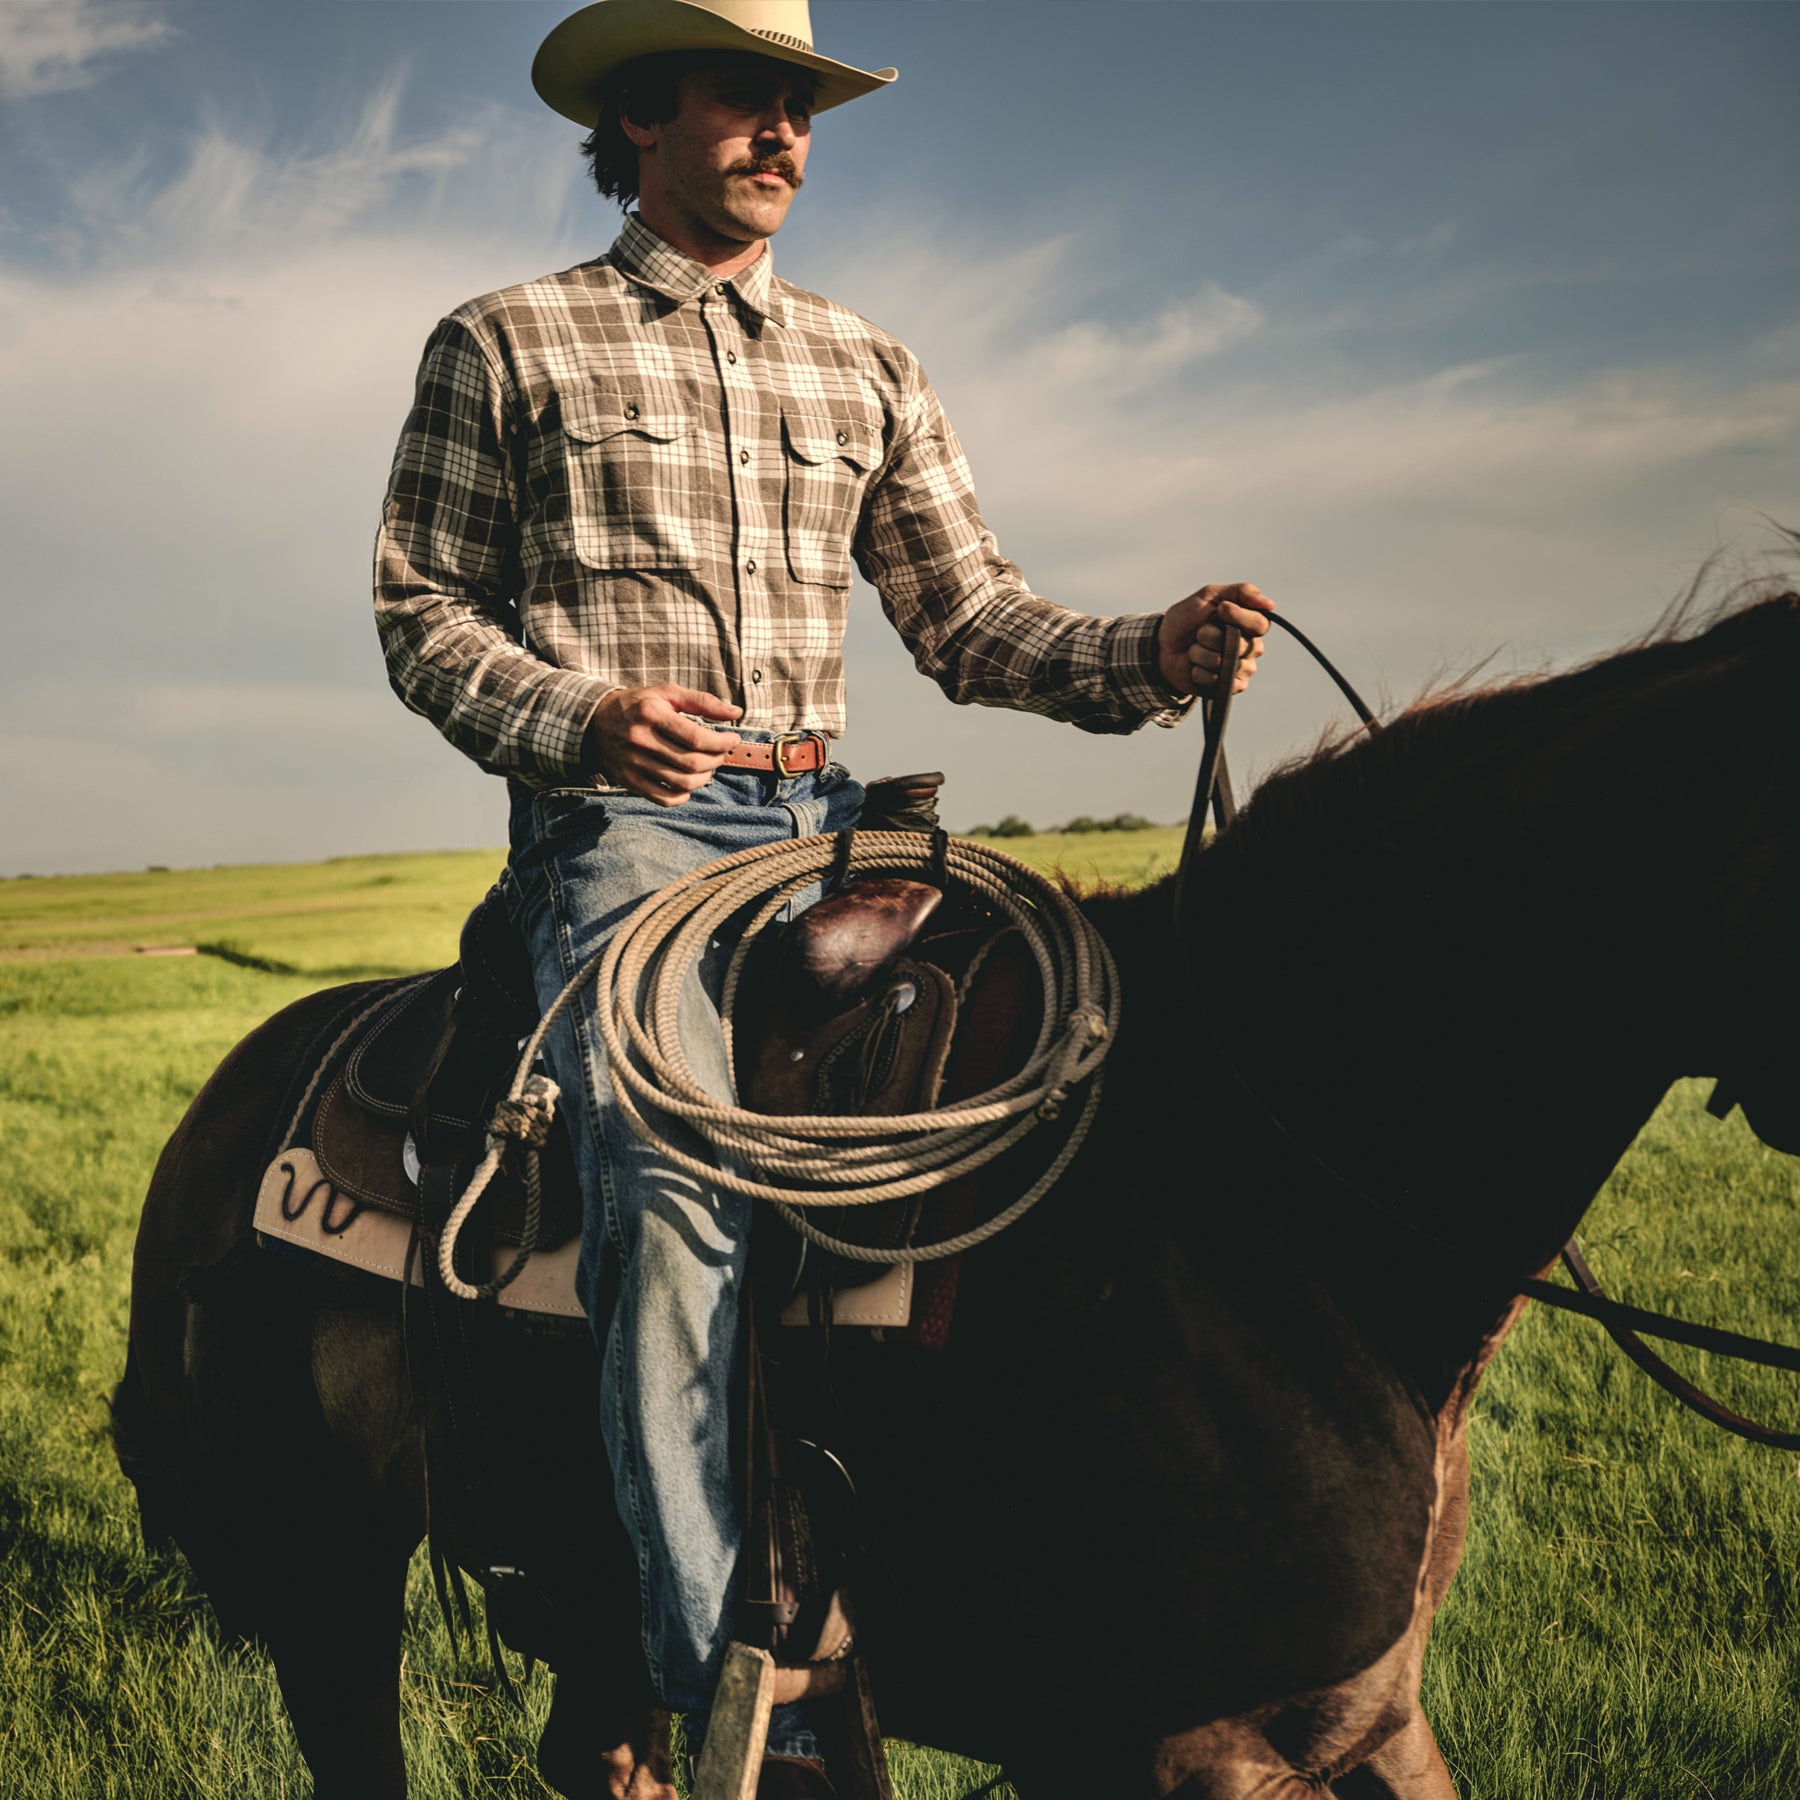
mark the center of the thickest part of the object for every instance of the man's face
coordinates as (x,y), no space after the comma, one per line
(730,160)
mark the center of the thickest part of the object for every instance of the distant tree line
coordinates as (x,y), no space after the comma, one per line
(1013,826)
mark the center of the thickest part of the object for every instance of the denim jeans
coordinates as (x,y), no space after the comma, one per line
(670,1247)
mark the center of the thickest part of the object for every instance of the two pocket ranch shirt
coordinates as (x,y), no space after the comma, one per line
(631,473)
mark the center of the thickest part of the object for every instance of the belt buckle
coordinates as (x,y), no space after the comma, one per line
(779,748)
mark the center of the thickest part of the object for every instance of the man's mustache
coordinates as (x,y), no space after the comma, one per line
(775,162)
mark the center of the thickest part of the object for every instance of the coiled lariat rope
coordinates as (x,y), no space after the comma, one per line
(800,1161)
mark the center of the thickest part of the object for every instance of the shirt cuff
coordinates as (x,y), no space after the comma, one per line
(554,730)
(1135,671)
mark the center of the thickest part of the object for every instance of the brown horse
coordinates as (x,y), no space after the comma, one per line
(1172,1512)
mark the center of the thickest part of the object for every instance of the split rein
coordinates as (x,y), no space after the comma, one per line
(801,1161)
(1626,1325)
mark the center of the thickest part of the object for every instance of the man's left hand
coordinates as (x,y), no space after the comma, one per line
(1191,640)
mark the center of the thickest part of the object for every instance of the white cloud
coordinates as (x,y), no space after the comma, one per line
(201,414)
(208,407)
(50,45)
(1129,360)
(240,198)
(1147,462)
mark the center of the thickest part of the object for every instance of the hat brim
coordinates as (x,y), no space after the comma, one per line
(586,47)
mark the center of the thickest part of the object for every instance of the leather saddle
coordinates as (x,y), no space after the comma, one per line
(873,1001)
(420,1082)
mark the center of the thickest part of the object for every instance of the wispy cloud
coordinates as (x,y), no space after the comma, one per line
(1131,358)
(238,197)
(1415,524)
(1143,458)
(202,399)
(50,45)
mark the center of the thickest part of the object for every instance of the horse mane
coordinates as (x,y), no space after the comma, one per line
(1346,776)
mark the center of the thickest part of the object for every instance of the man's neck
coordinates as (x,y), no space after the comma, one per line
(724,256)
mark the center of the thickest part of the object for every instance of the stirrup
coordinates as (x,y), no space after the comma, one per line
(737,1734)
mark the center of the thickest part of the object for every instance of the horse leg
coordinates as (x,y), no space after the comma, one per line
(294,1546)
(1407,1767)
(313,1504)
(1229,1759)
(600,1743)
(336,1646)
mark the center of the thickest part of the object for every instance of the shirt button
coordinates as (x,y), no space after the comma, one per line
(750,566)
(731,356)
(843,437)
(631,412)
(756,674)
(718,287)
(743,456)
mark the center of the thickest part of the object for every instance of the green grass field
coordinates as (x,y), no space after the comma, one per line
(1622,1628)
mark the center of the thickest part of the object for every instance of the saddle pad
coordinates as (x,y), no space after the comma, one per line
(887,1300)
(299,1205)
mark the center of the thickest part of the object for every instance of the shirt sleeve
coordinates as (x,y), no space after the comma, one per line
(447,579)
(966,613)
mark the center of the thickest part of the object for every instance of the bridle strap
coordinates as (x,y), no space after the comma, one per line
(1212,786)
(1626,1325)
(1356,700)
(1623,1323)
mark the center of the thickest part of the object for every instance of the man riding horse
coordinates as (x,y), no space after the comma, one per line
(614,567)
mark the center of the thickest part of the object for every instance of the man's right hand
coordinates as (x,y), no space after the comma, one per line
(639,740)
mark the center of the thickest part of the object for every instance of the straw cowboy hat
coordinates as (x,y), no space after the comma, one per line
(587,46)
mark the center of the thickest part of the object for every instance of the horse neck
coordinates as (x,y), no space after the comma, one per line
(1427,1077)
(1425,999)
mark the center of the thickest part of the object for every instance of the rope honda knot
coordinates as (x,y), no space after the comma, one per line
(796,1162)
(527,1120)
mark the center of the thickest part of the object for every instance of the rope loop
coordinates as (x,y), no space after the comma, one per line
(816,1160)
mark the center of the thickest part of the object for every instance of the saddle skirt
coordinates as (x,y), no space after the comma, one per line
(859,1010)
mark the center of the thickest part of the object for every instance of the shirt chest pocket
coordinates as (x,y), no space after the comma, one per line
(828,456)
(629,459)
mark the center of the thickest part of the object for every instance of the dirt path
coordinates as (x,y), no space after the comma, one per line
(53,949)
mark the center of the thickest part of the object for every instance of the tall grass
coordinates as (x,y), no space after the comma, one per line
(1622,1628)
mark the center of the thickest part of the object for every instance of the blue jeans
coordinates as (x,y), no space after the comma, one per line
(672,1248)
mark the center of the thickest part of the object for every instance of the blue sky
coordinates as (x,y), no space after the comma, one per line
(1461,328)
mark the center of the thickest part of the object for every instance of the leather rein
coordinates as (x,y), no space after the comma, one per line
(1627,1326)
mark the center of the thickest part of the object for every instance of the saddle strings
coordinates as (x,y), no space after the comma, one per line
(794,1162)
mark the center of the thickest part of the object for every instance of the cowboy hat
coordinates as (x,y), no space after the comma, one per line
(589,45)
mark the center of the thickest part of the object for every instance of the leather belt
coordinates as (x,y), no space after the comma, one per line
(793,753)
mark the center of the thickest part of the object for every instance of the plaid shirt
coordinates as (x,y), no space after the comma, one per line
(631,473)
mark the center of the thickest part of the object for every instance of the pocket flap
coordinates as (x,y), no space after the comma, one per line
(593,416)
(821,436)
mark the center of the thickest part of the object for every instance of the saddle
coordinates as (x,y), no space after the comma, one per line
(874,1001)
(419,1085)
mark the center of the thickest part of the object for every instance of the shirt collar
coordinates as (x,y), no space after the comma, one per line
(643,256)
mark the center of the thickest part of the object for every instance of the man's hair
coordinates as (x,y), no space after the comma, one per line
(646,91)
